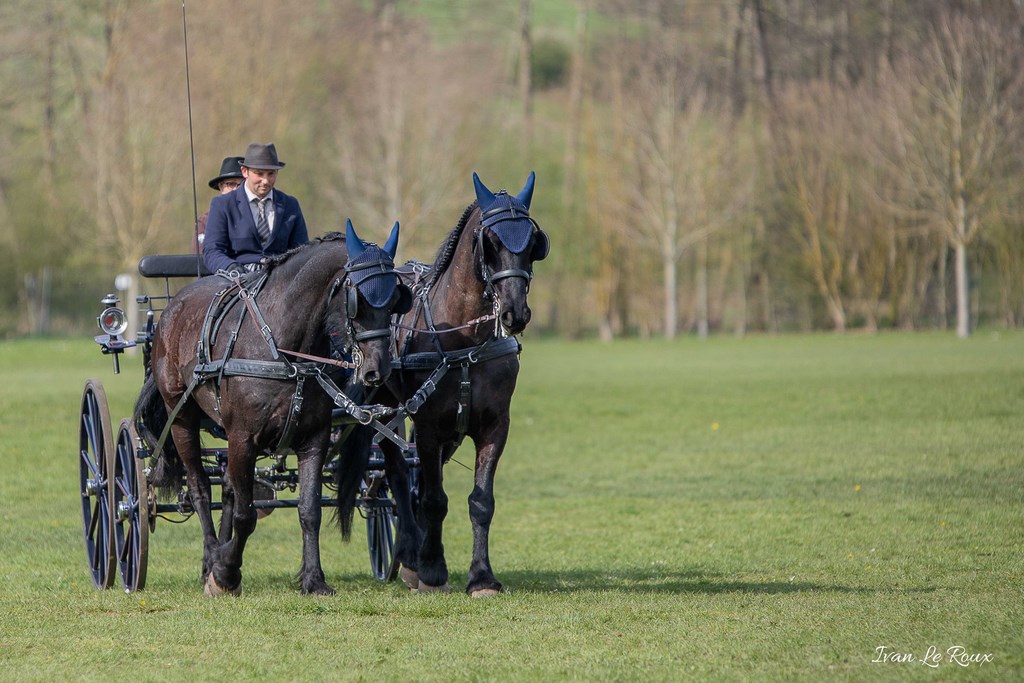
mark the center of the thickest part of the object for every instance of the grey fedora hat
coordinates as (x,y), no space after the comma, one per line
(229,168)
(261,156)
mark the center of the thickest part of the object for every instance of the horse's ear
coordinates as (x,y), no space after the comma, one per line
(525,195)
(391,247)
(353,244)
(484,197)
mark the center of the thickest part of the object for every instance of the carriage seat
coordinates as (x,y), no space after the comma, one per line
(172,265)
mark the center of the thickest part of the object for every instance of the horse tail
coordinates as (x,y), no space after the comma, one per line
(352,461)
(150,418)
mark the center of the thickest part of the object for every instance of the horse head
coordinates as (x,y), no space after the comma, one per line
(507,243)
(371,294)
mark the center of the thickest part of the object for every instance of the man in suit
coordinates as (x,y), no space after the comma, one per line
(254,220)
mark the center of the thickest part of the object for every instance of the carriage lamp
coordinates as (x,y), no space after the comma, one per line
(113,323)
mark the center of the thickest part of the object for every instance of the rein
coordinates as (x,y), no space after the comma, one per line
(348,365)
(475,322)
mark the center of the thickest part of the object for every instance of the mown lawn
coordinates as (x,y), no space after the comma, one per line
(772,508)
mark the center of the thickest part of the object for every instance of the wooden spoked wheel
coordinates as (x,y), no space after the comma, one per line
(94,449)
(130,499)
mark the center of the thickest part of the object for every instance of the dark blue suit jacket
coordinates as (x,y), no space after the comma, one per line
(231,238)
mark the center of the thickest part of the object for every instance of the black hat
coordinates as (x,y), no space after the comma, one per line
(261,156)
(229,168)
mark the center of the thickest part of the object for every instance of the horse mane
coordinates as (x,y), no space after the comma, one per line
(278,259)
(447,250)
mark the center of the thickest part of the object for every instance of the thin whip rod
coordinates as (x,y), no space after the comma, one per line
(191,144)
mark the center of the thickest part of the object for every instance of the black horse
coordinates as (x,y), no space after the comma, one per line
(236,366)
(457,369)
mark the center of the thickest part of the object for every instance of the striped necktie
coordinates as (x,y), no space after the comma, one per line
(262,226)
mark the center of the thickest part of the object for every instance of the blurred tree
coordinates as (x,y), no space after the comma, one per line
(575,104)
(815,180)
(683,181)
(405,125)
(955,132)
(525,72)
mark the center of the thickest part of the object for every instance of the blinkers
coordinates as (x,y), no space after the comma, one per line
(404,304)
(541,246)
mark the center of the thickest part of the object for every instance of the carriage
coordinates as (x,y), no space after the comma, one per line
(449,368)
(120,508)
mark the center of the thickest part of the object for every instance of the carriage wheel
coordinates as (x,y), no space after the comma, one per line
(129,501)
(94,448)
(381,529)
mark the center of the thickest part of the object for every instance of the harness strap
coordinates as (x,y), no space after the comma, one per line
(500,214)
(512,272)
(465,396)
(279,370)
(373,334)
(264,369)
(361,415)
(218,310)
(426,389)
(293,416)
(174,413)
(428,360)
(442,362)
(215,313)
(228,348)
(430,322)
(261,323)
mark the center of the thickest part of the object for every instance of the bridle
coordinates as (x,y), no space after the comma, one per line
(491,220)
(360,274)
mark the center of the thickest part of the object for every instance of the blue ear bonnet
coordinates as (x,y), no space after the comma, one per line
(373,274)
(509,219)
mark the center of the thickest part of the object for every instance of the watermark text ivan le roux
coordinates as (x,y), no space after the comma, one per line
(933,656)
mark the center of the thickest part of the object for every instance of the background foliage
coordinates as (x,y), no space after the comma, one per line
(725,165)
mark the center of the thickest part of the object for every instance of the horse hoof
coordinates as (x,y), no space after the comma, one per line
(484,593)
(410,578)
(424,588)
(213,590)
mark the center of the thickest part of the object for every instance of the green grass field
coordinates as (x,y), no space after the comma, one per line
(772,508)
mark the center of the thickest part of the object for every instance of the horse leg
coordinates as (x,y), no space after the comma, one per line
(227,512)
(185,433)
(433,571)
(311,467)
(482,582)
(409,535)
(226,572)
